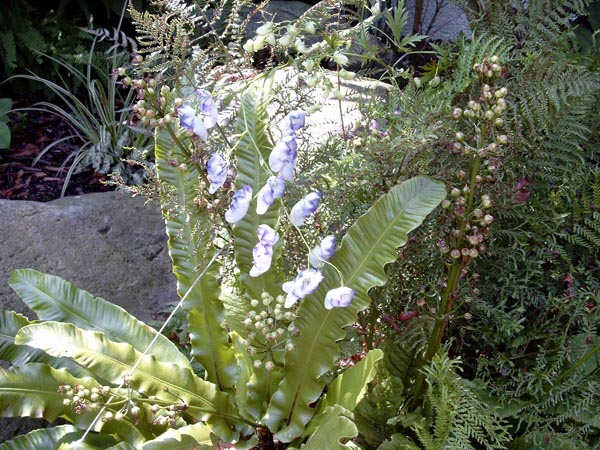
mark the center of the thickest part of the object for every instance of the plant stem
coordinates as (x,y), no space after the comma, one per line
(449,294)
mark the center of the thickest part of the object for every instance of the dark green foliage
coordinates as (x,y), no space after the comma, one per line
(29,30)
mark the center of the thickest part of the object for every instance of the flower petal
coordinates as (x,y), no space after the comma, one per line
(339,297)
(239,204)
(304,208)
(208,108)
(217,172)
(274,188)
(305,283)
(294,121)
(262,256)
(267,235)
(322,252)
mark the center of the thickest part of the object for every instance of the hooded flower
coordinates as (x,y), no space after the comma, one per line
(304,208)
(283,158)
(208,108)
(339,297)
(199,122)
(274,188)
(189,120)
(267,235)
(239,205)
(293,122)
(322,252)
(306,282)
(217,172)
(262,252)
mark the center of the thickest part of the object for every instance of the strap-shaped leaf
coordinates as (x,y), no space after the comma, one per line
(55,299)
(190,248)
(252,156)
(114,361)
(32,391)
(368,246)
(350,386)
(18,355)
(50,438)
(191,437)
(334,425)
(254,384)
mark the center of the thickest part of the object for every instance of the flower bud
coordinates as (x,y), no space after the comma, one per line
(347,75)
(418,82)
(435,82)
(310,27)
(340,58)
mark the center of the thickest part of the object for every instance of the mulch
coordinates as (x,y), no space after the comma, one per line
(21,179)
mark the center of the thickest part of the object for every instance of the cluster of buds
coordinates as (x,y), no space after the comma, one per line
(166,416)
(82,399)
(153,97)
(271,320)
(470,241)
(269,324)
(489,68)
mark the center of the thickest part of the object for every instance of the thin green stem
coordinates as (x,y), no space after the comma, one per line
(449,294)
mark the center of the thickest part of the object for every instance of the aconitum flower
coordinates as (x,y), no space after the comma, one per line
(304,208)
(305,283)
(322,252)
(283,158)
(274,188)
(262,252)
(267,235)
(239,205)
(293,122)
(208,108)
(189,120)
(339,297)
(217,172)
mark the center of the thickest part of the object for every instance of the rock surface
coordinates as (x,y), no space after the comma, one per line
(110,244)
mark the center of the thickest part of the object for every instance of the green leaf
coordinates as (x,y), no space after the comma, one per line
(114,361)
(4,136)
(191,437)
(55,299)
(10,324)
(50,438)
(32,391)
(191,249)
(349,387)
(399,442)
(368,246)
(252,156)
(334,425)
(5,106)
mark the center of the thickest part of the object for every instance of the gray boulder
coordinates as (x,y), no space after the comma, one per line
(110,244)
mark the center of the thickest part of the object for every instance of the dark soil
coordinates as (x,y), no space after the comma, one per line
(21,179)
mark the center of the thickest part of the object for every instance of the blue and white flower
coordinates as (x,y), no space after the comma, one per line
(305,283)
(339,297)
(262,252)
(322,252)
(282,159)
(239,204)
(217,172)
(293,122)
(199,122)
(274,188)
(208,108)
(305,208)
